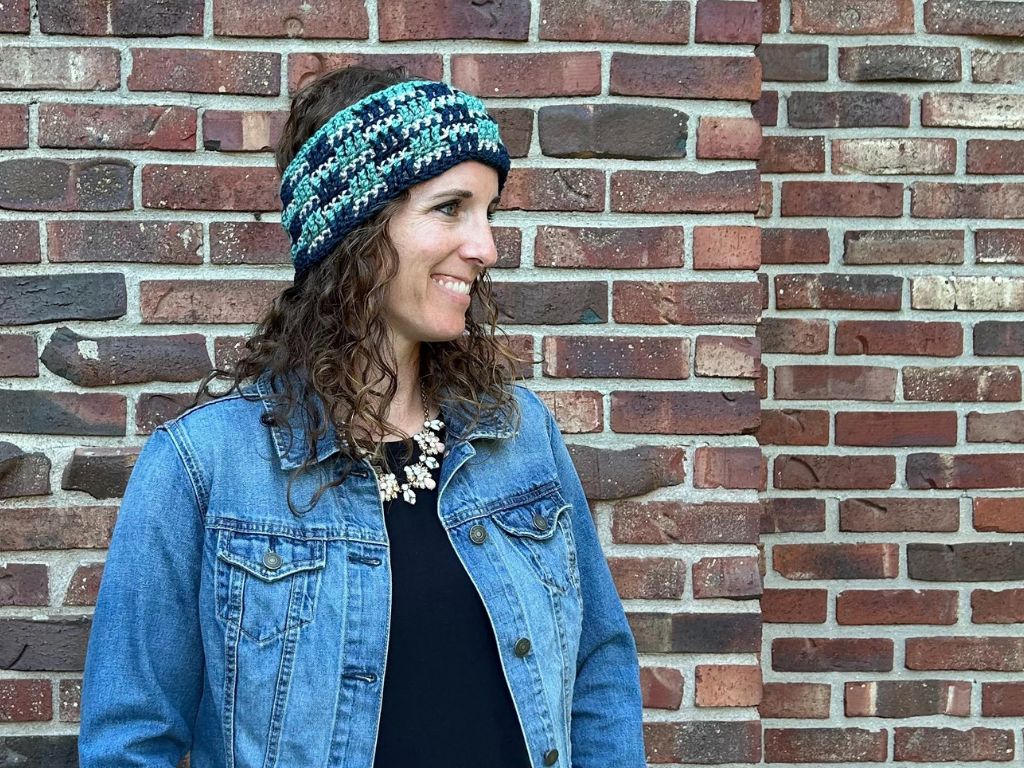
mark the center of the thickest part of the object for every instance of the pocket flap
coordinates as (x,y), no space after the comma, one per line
(270,556)
(535,519)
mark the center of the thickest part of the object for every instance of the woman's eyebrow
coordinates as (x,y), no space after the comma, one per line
(463,193)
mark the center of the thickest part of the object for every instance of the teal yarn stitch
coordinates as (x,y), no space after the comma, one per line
(369,152)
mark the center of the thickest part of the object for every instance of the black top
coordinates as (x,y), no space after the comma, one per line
(446,703)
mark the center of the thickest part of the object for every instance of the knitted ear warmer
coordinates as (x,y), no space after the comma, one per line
(367,153)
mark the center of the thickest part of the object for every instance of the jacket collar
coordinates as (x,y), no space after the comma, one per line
(291,444)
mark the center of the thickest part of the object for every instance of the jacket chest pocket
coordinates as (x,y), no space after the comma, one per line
(267,584)
(540,531)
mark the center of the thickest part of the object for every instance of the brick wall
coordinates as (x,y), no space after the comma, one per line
(892,342)
(138,223)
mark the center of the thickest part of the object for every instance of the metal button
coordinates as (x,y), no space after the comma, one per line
(551,757)
(271,560)
(522,646)
(478,534)
(540,522)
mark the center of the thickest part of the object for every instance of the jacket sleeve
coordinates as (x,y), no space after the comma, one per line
(144,661)
(607,728)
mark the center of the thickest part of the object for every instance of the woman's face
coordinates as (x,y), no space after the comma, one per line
(443,237)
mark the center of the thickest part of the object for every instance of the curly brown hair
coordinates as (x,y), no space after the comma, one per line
(330,328)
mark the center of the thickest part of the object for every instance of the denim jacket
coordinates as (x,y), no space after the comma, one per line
(232,628)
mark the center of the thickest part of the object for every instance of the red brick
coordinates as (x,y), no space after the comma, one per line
(795,337)
(65,68)
(795,700)
(792,426)
(726,577)
(552,302)
(793,62)
(849,109)
(246,73)
(44,412)
(896,428)
(24,584)
(248,242)
(903,247)
(25,701)
(290,18)
(98,126)
(726,21)
(822,654)
(838,291)
(968,17)
(13,126)
(210,188)
(575,411)
(733,78)
(792,154)
(727,685)
(715,467)
(686,303)
(935,200)
(446,19)
(766,109)
(609,247)
(18,355)
(207,301)
(502,75)
(684,413)
(1005,427)
(553,189)
(900,337)
(836,561)
(728,356)
(85,585)
(1000,515)
(633,357)
(924,744)
(852,17)
(728,138)
(783,515)
(816,745)
(908,698)
(139,242)
(615,21)
(899,515)
(303,68)
(227,130)
(15,17)
(833,382)
(896,606)
(995,156)
(975,383)
(21,242)
(661,687)
(663,522)
(992,470)
(794,606)
(76,527)
(648,578)
(841,198)
(683,191)
(771,16)
(1003,606)
(1000,654)
(700,742)
(609,473)
(728,247)
(1002,699)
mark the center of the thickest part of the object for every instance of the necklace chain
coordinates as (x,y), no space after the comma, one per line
(420,474)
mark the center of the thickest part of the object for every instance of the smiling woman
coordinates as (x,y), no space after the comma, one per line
(373,549)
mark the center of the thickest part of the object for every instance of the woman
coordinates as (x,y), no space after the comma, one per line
(289,583)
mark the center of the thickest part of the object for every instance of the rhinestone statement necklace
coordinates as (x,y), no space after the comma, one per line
(420,474)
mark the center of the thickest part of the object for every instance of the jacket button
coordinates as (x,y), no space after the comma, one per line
(540,522)
(551,757)
(478,534)
(271,560)
(522,646)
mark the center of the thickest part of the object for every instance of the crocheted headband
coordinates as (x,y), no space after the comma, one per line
(367,153)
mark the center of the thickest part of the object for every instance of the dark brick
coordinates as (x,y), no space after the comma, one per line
(57,528)
(154,408)
(55,644)
(24,584)
(61,413)
(49,751)
(18,355)
(816,745)
(43,299)
(791,426)
(792,154)
(969,17)
(926,744)
(852,109)
(793,62)
(552,303)
(782,336)
(849,654)
(927,63)
(697,632)
(85,585)
(630,131)
(450,19)
(618,474)
(103,360)
(836,561)
(19,242)
(235,130)
(898,515)
(903,247)
(668,522)
(23,474)
(1000,654)
(703,742)
(121,18)
(101,472)
(47,184)
(908,698)
(794,246)
(684,413)
(632,21)
(516,127)
(999,338)
(976,470)
(137,242)
(985,561)
(734,78)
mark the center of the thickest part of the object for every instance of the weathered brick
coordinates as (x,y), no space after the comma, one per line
(25,701)
(734,78)
(244,73)
(685,303)
(968,293)
(794,606)
(728,138)
(981,561)
(838,291)
(648,578)
(897,606)
(727,21)
(997,606)
(973,383)
(972,110)
(997,67)
(98,126)
(998,514)
(230,130)
(445,19)
(93,17)
(249,242)
(154,408)
(783,515)
(795,337)
(727,685)
(32,528)
(291,18)
(615,21)
(792,154)
(206,301)
(832,745)
(728,467)
(848,109)
(630,131)
(823,654)
(902,337)
(684,191)
(619,474)
(936,200)
(793,62)
(70,693)
(1005,427)
(61,413)
(938,470)
(138,242)
(971,17)
(13,126)
(663,522)
(700,632)
(303,68)
(795,700)
(903,247)
(899,514)
(552,303)
(50,644)
(24,584)
(728,356)
(995,156)
(684,413)
(101,472)
(553,189)
(1000,654)
(15,17)
(18,355)
(21,473)
(852,17)
(928,63)
(794,246)
(575,411)
(516,126)
(836,561)
(704,741)
(908,698)
(19,242)
(84,586)
(661,687)
(210,188)
(834,382)
(502,75)
(1002,699)
(881,157)
(841,198)
(790,426)
(895,429)
(65,68)
(41,750)
(608,247)
(49,184)
(726,577)
(616,357)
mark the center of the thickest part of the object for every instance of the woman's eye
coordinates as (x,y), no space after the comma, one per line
(443,208)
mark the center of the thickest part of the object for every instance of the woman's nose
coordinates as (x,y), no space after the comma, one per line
(479,244)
